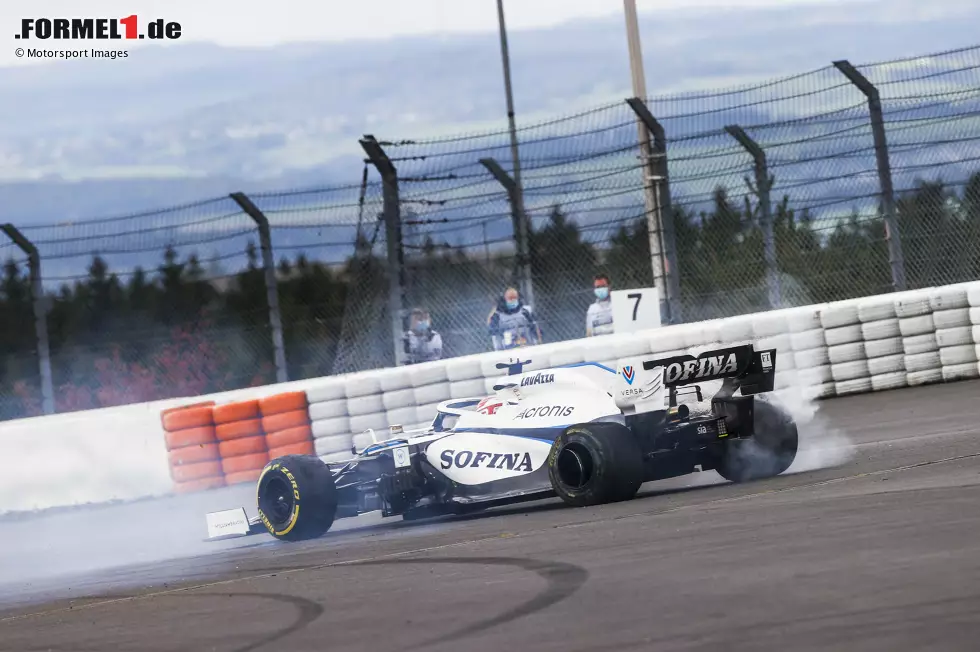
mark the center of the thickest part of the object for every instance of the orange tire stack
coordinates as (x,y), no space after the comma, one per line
(241,441)
(192,447)
(286,421)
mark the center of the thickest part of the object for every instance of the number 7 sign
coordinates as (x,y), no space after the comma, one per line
(635,310)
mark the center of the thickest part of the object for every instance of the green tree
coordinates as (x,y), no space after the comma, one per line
(563,266)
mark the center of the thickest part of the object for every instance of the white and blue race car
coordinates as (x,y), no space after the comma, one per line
(587,433)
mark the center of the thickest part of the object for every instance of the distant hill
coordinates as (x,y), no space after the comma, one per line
(178,123)
(185,123)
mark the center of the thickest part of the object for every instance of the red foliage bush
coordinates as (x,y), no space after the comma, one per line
(29,397)
(190,363)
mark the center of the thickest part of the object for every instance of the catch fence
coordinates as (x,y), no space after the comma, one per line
(768,195)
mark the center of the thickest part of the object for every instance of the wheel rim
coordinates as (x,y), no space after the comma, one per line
(277,500)
(574,466)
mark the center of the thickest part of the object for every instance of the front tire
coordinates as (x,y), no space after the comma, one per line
(296,497)
(595,463)
(770,451)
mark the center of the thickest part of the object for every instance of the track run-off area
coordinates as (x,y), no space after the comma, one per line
(870,542)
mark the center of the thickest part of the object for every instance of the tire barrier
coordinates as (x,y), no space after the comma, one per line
(881,339)
(840,348)
(954,333)
(810,353)
(241,440)
(847,371)
(973,300)
(192,447)
(330,422)
(286,424)
(920,349)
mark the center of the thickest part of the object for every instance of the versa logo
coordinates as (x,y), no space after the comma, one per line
(628,375)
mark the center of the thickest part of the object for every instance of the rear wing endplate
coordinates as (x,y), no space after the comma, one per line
(754,372)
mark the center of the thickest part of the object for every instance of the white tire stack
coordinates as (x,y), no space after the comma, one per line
(631,346)
(431,386)
(882,342)
(921,351)
(365,398)
(954,332)
(559,355)
(701,336)
(330,422)
(973,297)
(736,330)
(670,340)
(809,351)
(465,376)
(845,348)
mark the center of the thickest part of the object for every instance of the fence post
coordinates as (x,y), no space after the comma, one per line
(654,224)
(40,314)
(658,176)
(393,236)
(520,221)
(892,235)
(271,286)
(763,186)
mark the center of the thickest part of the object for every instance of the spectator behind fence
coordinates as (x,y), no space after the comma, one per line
(512,324)
(422,344)
(599,319)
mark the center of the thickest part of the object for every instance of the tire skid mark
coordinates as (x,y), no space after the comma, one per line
(307,612)
(563,580)
(407,553)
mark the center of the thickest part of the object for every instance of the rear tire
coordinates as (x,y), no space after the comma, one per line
(595,463)
(768,453)
(289,483)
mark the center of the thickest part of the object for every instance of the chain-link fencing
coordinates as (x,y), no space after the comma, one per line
(774,192)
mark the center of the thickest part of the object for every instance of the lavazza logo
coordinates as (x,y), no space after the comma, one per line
(483,460)
(701,368)
(538,379)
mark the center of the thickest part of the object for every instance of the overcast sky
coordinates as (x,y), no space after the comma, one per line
(260,22)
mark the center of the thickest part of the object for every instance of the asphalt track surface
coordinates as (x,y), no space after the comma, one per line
(879,552)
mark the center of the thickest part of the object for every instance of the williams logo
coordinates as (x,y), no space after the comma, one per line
(482,460)
(538,379)
(628,375)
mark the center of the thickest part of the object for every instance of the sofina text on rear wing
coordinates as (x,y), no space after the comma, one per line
(753,371)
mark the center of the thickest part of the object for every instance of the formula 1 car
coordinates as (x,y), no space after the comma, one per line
(586,433)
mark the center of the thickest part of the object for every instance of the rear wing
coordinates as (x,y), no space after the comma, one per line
(754,372)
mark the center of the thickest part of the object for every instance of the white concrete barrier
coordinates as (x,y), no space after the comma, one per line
(834,349)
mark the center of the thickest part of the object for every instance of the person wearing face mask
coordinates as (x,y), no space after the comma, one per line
(511,323)
(598,319)
(422,344)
